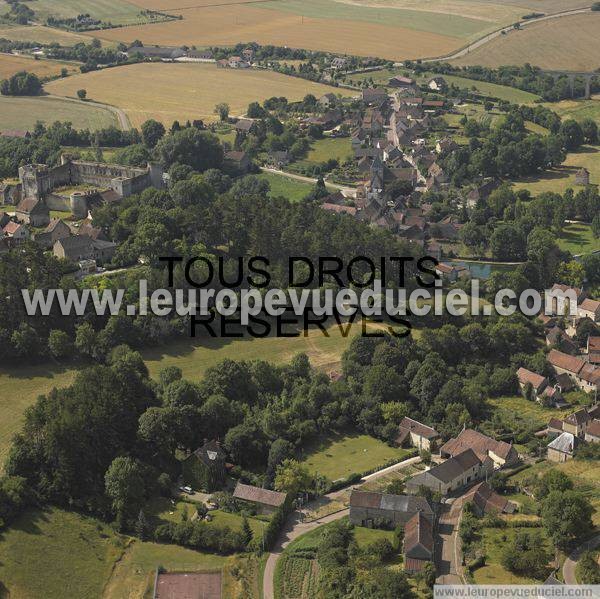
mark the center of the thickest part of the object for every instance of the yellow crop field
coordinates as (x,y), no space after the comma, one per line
(568,43)
(10,64)
(183,91)
(227,25)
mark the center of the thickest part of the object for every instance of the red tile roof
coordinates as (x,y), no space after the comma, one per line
(565,361)
(481,444)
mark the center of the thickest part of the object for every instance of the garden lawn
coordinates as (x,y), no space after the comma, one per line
(493,572)
(322,150)
(338,456)
(292,189)
(365,536)
(578,238)
(56,554)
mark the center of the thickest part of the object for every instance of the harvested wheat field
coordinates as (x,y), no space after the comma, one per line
(567,43)
(228,25)
(167,92)
(10,64)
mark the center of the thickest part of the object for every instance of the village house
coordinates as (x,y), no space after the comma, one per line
(328,100)
(88,229)
(585,375)
(415,434)
(33,212)
(589,308)
(385,510)
(437,84)
(456,472)
(245,126)
(400,82)
(451,272)
(239,160)
(237,62)
(339,62)
(16,232)
(374,95)
(205,468)
(418,544)
(265,500)
(82,247)
(593,350)
(537,382)
(501,453)
(562,448)
(445,146)
(57,229)
(10,194)
(486,501)
(592,434)
(558,338)
(482,192)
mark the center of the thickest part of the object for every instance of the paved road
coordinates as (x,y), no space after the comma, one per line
(447,565)
(505,30)
(295,528)
(120,114)
(349,190)
(571,562)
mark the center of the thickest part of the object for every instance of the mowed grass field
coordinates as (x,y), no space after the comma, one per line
(339,456)
(41,35)
(577,109)
(291,189)
(117,12)
(577,238)
(568,43)
(11,64)
(283,24)
(23,112)
(560,179)
(183,91)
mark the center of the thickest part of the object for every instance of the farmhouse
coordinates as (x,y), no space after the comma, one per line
(156,52)
(402,82)
(16,232)
(411,432)
(592,434)
(381,509)
(456,472)
(501,453)
(538,382)
(487,501)
(593,350)
(267,501)
(328,100)
(562,448)
(239,160)
(205,468)
(245,126)
(374,95)
(418,543)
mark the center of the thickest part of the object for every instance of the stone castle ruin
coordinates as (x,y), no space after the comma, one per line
(111,182)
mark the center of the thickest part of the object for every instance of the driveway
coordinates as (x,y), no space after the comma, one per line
(350,191)
(571,562)
(446,550)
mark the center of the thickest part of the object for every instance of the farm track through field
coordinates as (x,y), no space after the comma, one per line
(505,30)
(221,4)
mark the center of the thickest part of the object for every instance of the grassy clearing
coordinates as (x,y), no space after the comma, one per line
(281,26)
(183,91)
(292,189)
(527,410)
(493,572)
(559,179)
(564,44)
(22,113)
(365,536)
(19,388)
(330,147)
(11,64)
(339,456)
(57,554)
(194,358)
(493,90)
(41,35)
(577,109)
(577,238)
(117,12)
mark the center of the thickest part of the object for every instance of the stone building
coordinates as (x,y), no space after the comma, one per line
(582,177)
(33,212)
(264,500)
(381,509)
(418,543)
(55,231)
(205,468)
(39,182)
